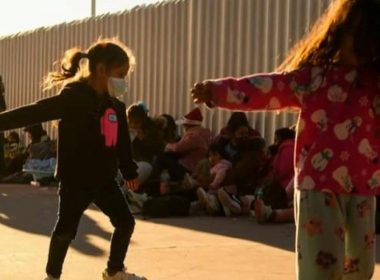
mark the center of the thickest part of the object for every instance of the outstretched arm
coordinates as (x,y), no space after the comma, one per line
(273,91)
(51,108)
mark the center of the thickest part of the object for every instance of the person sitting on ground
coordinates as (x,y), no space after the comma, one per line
(40,156)
(182,157)
(14,154)
(238,134)
(283,166)
(147,142)
(168,128)
(208,174)
(41,146)
(208,188)
(237,119)
(274,204)
(42,159)
(265,213)
(237,193)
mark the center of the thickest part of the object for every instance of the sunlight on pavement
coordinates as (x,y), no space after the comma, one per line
(3,216)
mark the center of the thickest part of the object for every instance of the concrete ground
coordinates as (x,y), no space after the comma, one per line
(161,249)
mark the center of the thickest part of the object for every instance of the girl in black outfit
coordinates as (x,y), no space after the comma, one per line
(93,144)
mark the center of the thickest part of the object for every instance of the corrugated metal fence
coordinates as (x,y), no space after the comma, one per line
(176,43)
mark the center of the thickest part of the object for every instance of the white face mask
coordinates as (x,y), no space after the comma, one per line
(117,87)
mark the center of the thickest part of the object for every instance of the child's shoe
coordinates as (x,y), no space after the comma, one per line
(49,277)
(209,201)
(263,212)
(231,204)
(122,275)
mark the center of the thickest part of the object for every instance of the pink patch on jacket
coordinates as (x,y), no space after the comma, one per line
(109,127)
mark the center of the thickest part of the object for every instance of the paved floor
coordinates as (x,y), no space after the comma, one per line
(165,249)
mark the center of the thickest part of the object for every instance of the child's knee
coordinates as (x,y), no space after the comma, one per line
(125,224)
(64,236)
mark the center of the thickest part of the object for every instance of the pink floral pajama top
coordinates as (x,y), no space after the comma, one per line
(338,135)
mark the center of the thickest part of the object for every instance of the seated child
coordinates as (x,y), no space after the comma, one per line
(207,191)
(181,157)
(14,154)
(277,189)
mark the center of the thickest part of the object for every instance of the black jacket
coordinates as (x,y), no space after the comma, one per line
(84,158)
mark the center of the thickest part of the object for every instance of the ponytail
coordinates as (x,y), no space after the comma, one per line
(69,68)
(109,52)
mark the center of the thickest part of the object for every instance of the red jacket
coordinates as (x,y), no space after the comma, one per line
(283,163)
(192,147)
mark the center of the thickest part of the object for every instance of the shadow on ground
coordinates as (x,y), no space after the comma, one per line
(281,236)
(31,210)
(275,235)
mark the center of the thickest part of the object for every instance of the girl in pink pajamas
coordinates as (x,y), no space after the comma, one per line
(332,77)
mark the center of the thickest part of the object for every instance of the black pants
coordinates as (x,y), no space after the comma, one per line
(170,162)
(72,203)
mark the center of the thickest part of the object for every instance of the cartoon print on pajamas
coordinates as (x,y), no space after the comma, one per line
(236,97)
(264,84)
(307,183)
(330,198)
(318,79)
(313,227)
(274,103)
(299,89)
(351,265)
(374,181)
(363,209)
(320,160)
(348,127)
(351,76)
(109,127)
(340,233)
(319,117)
(366,150)
(336,94)
(342,176)
(369,240)
(325,260)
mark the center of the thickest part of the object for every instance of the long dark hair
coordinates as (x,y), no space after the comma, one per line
(110,52)
(322,44)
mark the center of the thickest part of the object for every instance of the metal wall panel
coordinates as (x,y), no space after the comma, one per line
(176,43)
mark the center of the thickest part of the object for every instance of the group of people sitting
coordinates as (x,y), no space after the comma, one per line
(232,173)
(34,163)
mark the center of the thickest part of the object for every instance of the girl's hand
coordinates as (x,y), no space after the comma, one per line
(201,92)
(132,184)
